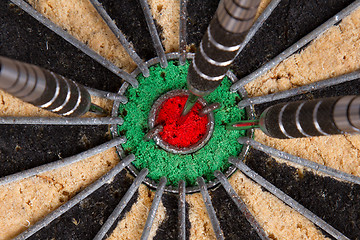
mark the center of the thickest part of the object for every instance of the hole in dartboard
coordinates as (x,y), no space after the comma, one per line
(174,146)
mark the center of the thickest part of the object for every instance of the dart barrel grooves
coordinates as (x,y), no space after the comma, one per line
(220,45)
(43,88)
(319,117)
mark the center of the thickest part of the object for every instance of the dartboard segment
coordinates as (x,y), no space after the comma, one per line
(332,200)
(25,39)
(341,89)
(91,211)
(38,145)
(129,17)
(285,26)
(199,15)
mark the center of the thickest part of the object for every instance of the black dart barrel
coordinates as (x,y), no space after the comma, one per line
(219,46)
(43,88)
(319,117)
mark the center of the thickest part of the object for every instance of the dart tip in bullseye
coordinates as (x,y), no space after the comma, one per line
(190,102)
(243,125)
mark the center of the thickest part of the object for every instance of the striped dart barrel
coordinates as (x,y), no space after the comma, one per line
(220,44)
(318,117)
(43,88)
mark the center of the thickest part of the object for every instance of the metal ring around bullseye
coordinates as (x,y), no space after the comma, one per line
(170,148)
(148,181)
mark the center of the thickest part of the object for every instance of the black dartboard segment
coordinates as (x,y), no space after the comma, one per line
(288,23)
(342,89)
(25,39)
(200,14)
(26,146)
(168,229)
(232,221)
(85,219)
(335,202)
(129,18)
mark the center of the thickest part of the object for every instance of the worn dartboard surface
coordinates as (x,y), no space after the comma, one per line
(331,53)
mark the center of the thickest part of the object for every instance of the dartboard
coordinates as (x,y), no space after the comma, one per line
(107,177)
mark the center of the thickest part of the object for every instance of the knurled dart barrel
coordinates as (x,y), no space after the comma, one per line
(43,88)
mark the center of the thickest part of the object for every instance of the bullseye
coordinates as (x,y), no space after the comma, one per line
(180,134)
(181,131)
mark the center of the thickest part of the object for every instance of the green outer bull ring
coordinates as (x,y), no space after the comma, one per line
(151,183)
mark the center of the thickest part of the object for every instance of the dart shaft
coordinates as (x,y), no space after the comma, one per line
(43,88)
(328,116)
(190,102)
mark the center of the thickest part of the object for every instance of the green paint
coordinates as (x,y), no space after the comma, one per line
(204,162)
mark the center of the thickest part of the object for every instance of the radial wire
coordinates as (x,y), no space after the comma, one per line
(60,121)
(301,161)
(72,40)
(182,31)
(182,210)
(241,205)
(154,34)
(296,46)
(154,208)
(62,162)
(120,36)
(122,204)
(76,199)
(300,90)
(210,209)
(286,199)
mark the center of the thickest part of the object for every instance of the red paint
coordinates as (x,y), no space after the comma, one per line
(181,131)
(247,124)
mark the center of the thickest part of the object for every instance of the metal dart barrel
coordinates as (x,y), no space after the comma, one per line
(43,88)
(220,45)
(328,116)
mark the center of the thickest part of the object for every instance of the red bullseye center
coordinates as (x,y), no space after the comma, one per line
(181,131)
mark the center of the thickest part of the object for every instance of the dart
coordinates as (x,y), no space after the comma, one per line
(219,47)
(327,116)
(46,89)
